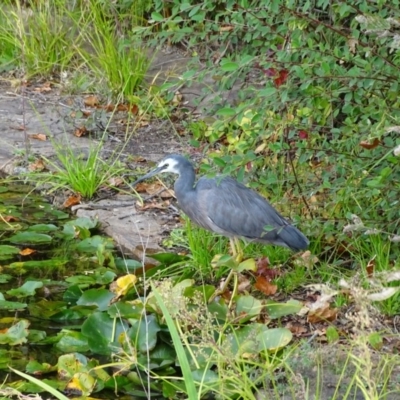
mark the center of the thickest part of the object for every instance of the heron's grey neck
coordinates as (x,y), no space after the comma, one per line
(184,185)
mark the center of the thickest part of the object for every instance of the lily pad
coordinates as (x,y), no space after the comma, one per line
(30,238)
(27,289)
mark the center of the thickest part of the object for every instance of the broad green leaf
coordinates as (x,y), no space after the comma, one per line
(143,333)
(6,250)
(16,334)
(274,339)
(278,310)
(103,333)
(27,289)
(101,298)
(30,238)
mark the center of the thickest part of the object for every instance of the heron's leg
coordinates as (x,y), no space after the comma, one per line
(237,253)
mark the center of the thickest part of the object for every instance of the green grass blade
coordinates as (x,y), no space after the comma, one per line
(180,351)
(41,384)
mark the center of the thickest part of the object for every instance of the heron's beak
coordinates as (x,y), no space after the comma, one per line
(153,172)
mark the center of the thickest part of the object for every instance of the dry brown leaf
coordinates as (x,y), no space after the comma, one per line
(91,101)
(46,87)
(371,266)
(115,181)
(72,201)
(38,136)
(157,206)
(86,113)
(296,328)
(19,127)
(306,259)
(370,145)
(265,286)
(27,252)
(322,314)
(244,284)
(80,131)
(226,28)
(38,165)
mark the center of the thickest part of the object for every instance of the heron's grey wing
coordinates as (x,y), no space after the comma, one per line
(236,210)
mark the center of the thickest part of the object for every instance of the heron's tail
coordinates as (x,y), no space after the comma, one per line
(293,238)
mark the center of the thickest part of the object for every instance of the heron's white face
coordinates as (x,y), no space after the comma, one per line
(168,165)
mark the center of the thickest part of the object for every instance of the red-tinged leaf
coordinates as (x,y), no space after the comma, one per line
(282,77)
(265,286)
(264,270)
(270,72)
(370,145)
(303,135)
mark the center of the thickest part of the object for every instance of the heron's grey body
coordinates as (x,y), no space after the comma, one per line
(227,207)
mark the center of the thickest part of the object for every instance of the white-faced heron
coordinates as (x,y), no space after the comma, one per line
(225,206)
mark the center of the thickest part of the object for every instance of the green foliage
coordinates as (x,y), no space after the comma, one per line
(43,40)
(319,114)
(119,57)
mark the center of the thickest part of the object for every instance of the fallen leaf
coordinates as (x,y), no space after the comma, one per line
(244,284)
(115,181)
(38,165)
(38,136)
(86,113)
(226,28)
(157,206)
(322,314)
(46,87)
(123,284)
(27,252)
(296,328)
(72,201)
(368,145)
(80,131)
(306,259)
(264,270)
(371,266)
(19,127)
(9,218)
(91,101)
(265,286)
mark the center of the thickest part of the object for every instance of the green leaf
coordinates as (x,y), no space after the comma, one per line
(27,289)
(11,305)
(278,310)
(157,17)
(274,339)
(16,334)
(6,250)
(30,238)
(103,333)
(248,307)
(247,265)
(72,341)
(143,333)
(97,297)
(226,112)
(43,228)
(229,66)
